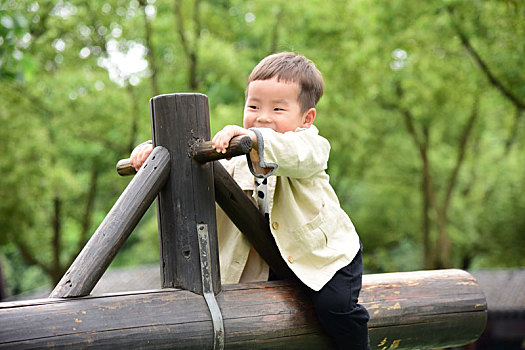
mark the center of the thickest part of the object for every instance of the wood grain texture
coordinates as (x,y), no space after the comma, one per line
(188,199)
(124,167)
(93,260)
(201,151)
(243,213)
(204,152)
(410,310)
(236,205)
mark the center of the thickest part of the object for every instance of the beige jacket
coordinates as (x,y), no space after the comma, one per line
(314,235)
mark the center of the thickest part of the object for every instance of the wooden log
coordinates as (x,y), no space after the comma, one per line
(93,260)
(239,208)
(124,167)
(410,310)
(178,121)
(244,214)
(202,152)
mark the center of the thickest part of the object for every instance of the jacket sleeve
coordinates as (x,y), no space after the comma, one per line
(298,154)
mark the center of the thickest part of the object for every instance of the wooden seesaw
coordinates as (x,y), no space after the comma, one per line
(192,310)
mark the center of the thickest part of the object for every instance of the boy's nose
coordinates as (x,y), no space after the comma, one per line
(264,118)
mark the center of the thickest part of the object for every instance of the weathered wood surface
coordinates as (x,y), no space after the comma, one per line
(202,152)
(411,310)
(188,198)
(245,215)
(124,167)
(95,257)
(239,208)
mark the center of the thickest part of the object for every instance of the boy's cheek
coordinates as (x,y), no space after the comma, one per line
(247,122)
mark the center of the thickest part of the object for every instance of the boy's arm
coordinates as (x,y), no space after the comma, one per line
(298,154)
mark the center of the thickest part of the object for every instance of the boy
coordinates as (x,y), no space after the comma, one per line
(314,235)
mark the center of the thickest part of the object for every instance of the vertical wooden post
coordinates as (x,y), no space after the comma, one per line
(188,199)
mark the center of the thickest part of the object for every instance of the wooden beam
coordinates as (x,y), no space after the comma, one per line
(425,309)
(239,208)
(178,122)
(243,213)
(239,145)
(202,152)
(93,260)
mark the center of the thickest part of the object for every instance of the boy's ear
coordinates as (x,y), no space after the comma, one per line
(308,118)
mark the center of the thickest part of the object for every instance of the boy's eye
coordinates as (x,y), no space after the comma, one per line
(277,109)
(253,107)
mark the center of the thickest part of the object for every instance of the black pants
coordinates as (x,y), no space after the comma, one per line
(337,309)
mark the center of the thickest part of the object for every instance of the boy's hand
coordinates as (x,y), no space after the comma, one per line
(221,140)
(139,155)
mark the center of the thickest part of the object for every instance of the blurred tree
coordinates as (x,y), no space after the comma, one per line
(423,107)
(427,76)
(54,95)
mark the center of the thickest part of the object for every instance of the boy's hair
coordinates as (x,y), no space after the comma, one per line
(290,67)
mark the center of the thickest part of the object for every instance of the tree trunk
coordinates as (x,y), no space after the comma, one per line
(151,53)
(428,251)
(190,49)
(57,231)
(88,213)
(135,115)
(442,259)
(274,43)
(3,293)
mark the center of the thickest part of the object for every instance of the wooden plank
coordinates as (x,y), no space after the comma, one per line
(245,215)
(256,315)
(179,121)
(93,260)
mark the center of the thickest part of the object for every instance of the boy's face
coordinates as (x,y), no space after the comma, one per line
(274,104)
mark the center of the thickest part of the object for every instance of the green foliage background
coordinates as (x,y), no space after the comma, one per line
(423,107)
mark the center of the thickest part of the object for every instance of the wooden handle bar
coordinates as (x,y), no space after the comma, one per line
(202,152)
(124,167)
(239,145)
